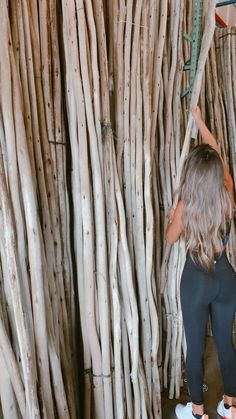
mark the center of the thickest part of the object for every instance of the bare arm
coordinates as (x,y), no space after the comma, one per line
(174,227)
(208,138)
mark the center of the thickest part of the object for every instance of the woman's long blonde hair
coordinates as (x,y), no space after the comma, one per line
(208,206)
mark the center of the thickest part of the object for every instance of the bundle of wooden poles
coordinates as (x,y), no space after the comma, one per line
(93,133)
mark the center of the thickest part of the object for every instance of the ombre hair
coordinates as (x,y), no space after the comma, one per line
(208,206)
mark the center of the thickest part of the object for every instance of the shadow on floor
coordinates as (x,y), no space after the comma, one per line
(212,380)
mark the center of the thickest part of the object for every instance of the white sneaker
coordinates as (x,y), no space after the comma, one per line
(186,412)
(226,413)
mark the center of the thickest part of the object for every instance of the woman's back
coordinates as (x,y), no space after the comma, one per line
(208,207)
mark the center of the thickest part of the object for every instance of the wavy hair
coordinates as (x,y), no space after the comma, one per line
(208,206)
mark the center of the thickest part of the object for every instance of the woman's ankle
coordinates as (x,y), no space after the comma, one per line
(198,409)
(228,400)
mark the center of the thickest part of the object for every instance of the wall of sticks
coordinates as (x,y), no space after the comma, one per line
(93,135)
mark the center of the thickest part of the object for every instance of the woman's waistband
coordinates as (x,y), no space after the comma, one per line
(221,263)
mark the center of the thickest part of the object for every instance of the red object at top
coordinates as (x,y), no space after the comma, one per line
(221,21)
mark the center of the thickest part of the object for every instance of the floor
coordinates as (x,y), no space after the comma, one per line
(213,386)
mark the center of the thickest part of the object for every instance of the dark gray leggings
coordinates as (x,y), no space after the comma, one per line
(203,294)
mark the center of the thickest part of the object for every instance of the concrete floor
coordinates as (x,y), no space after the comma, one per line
(212,380)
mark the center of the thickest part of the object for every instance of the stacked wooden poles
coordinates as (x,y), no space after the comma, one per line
(91,247)
(32,119)
(139,359)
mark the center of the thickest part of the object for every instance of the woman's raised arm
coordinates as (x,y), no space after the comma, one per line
(208,138)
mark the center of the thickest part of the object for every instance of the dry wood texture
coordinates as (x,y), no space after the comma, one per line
(93,135)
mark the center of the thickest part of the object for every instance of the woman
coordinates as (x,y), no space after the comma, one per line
(208,284)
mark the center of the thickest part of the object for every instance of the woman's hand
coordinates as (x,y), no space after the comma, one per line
(208,138)
(170,215)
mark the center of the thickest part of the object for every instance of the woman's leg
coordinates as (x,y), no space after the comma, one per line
(195,322)
(195,310)
(222,318)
